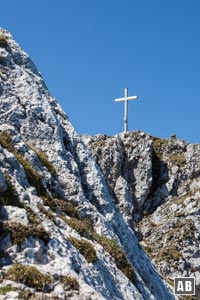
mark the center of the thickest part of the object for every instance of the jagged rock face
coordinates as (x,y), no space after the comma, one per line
(57,212)
(156,184)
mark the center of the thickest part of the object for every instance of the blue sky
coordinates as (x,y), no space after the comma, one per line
(89,50)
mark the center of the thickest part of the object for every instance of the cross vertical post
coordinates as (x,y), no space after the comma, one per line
(125,109)
(125,100)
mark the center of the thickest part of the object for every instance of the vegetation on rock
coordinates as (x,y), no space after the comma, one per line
(47,213)
(29,276)
(19,232)
(177,159)
(3,41)
(84,226)
(116,252)
(85,248)
(34,178)
(9,196)
(6,289)
(44,160)
(62,205)
(70,283)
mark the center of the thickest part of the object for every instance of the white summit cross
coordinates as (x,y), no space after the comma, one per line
(126,99)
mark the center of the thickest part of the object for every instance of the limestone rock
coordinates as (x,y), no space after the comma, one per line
(68,198)
(165,211)
(14,214)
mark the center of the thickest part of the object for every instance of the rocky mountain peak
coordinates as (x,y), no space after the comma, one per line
(155,184)
(63,235)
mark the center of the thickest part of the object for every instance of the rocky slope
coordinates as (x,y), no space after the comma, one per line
(61,234)
(156,185)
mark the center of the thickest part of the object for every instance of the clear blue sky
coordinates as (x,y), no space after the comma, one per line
(89,50)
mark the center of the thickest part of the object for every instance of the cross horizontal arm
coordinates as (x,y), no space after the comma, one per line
(132,98)
(119,99)
(124,99)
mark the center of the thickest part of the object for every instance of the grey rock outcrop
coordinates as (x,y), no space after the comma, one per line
(52,175)
(155,184)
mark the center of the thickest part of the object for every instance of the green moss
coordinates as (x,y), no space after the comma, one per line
(19,232)
(70,283)
(116,252)
(3,41)
(5,289)
(85,248)
(44,160)
(29,276)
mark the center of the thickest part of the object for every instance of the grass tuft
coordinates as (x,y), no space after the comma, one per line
(85,248)
(70,283)
(116,252)
(29,276)
(59,204)
(82,226)
(19,232)
(44,160)
(9,197)
(3,41)
(5,289)
(47,213)
(34,178)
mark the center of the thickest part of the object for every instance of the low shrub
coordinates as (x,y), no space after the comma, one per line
(19,232)
(158,145)
(34,178)
(29,276)
(82,226)
(6,141)
(9,197)
(33,217)
(44,160)
(59,204)
(70,283)
(177,159)
(3,41)
(6,289)
(47,213)
(116,252)
(85,228)
(85,248)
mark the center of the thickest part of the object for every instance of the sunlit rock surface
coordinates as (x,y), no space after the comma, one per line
(49,181)
(156,185)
